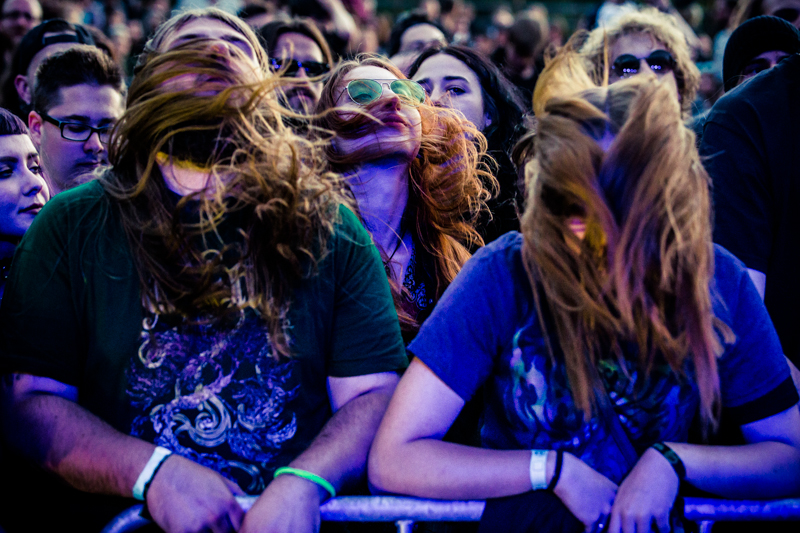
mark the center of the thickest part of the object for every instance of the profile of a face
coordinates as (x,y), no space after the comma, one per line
(400,132)
(23,191)
(449,82)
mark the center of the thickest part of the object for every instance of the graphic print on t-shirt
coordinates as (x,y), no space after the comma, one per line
(538,403)
(215,396)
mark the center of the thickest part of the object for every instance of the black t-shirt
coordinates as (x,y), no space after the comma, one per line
(751,149)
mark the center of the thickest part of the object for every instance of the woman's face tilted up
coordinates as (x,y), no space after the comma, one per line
(400,133)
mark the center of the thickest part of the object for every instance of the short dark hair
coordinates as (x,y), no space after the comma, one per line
(272,31)
(407,20)
(79,65)
(11,124)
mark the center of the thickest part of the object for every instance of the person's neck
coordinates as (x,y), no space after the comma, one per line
(381,190)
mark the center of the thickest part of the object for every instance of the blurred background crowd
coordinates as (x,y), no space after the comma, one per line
(515,34)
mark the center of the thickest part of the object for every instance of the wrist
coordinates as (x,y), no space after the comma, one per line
(672,459)
(310,483)
(567,467)
(148,473)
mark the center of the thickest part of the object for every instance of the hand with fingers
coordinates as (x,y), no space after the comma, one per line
(185,497)
(646,496)
(588,494)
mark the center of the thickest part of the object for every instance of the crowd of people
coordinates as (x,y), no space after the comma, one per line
(291,252)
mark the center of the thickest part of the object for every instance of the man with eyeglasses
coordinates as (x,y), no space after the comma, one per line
(18,17)
(298,50)
(78,96)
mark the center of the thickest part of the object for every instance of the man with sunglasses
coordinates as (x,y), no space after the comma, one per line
(298,50)
(78,96)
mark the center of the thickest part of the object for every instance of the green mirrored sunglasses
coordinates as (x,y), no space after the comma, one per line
(364,92)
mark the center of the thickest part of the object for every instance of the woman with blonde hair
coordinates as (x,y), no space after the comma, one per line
(642,39)
(415,172)
(598,333)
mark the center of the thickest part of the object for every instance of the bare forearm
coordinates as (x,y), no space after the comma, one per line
(339,452)
(761,470)
(66,439)
(430,468)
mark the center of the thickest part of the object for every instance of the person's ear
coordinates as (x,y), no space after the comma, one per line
(35,123)
(23,88)
(487,120)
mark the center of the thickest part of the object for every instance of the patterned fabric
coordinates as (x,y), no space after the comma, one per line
(216,397)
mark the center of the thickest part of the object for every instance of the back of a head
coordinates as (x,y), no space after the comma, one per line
(525,35)
(80,65)
(34,41)
(754,37)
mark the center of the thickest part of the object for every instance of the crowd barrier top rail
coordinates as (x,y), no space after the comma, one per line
(402,509)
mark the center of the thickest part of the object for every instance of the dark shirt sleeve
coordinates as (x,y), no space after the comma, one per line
(754,377)
(365,334)
(475,318)
(733,153)
(40,327)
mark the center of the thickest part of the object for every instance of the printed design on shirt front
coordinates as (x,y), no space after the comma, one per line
(214,395)
(540,408)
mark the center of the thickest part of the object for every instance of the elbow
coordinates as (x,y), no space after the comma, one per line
(382,468)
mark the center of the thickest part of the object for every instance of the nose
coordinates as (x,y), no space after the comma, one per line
(440,98)
(93,144)
(34,183)
(301,73)
(220,48)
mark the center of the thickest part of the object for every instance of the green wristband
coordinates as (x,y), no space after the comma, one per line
(310,476)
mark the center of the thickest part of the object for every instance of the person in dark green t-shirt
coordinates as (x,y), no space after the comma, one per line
(214,311)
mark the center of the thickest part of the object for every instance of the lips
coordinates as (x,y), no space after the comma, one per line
(394,120)
(33,208)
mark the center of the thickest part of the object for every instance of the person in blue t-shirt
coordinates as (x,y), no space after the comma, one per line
(598,334)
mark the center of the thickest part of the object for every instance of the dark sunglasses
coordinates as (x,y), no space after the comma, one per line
(289,67)
(787,13)
(660,62)
(365,92)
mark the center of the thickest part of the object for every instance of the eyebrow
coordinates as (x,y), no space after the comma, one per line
(84,118)
(9,160)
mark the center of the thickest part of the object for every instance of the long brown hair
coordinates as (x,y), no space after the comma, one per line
(448,183)
(642,272)
(272,180)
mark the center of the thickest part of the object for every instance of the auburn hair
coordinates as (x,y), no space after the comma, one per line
(271,179)
(449,181)
(641,274)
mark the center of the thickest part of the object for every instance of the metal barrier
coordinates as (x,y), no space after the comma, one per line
(405,511)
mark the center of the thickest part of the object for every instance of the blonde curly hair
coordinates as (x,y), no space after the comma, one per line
(663,29)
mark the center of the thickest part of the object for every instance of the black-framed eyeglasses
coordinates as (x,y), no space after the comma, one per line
(78,131)
(289,67)
(660,62)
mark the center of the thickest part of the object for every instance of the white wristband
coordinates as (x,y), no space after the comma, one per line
(538,469)
(144,479)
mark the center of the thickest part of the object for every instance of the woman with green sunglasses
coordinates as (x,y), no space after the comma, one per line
(414,171)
